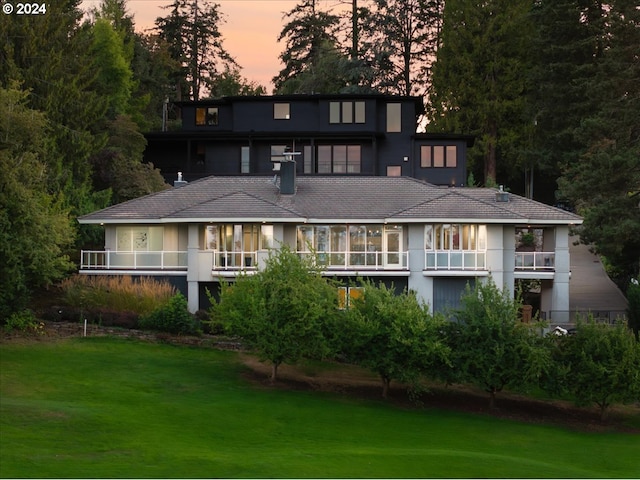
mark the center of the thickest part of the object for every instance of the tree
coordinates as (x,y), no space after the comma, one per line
(603,364)
(309,35)
(400,41)
(231,83)
(604,183)
(35,228)
(280,311)
(192,31)
(119,166)
(491,348)
(393,335)
(114,76)
(479,82)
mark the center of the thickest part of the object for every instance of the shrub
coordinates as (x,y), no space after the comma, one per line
(24,322)
(173,317)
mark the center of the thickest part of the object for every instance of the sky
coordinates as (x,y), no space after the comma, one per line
(250,31)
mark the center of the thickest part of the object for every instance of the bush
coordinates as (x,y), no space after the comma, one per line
(173,317)
(24,322)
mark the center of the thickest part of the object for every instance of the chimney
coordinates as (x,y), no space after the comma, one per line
(179,182)
(501,195)
(288,172)
(288,177)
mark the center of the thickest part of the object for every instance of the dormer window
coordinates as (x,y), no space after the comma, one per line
(206,116)
(281,111)
(438,156)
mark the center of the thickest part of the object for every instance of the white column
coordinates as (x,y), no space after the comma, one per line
(509,257)
(423,286)
(495,254)
(560,289)
(193,269)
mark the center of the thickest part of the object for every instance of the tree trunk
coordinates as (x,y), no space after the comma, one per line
(274,372)
(492,399)
(490,157)
(385,387)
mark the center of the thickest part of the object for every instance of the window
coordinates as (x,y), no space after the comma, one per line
(394,117)
(346,112)
(140,239)
(394,171)
(281,111)
(277,153)
(455,237)
(438,156)
(206,116)
(346,296)
(339,159)
(235,246)
(308,159)
(245,160)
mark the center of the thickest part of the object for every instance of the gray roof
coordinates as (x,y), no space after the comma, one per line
(328,198)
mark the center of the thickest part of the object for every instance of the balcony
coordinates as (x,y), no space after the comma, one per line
(359,261)
(535,261)
(455,260)
(136,260)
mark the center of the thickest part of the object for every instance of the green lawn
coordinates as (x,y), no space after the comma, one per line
(116,408)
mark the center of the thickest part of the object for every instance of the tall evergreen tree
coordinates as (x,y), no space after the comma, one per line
(479,83)
(192,31)
(604,182)
(309,35)
(400,41)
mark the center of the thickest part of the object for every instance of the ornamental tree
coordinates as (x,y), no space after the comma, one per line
(281,311)
(393,335)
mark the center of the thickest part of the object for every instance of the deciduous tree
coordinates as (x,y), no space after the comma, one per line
(281,311)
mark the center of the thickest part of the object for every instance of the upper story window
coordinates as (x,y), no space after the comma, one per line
(347,112)
(394,171)
(438,156)
(339,159)
(206,116)
(281,111)
(245,159)
(394,117)
(455,237)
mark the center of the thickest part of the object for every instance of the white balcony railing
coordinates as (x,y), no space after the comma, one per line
(234,260)
(455,260)
(361,260)
(535,260)
(113,260)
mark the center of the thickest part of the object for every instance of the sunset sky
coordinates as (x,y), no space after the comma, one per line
(250,32)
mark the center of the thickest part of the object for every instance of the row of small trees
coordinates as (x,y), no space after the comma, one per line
(289,311)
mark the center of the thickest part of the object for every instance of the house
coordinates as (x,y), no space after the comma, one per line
(354,135)
(401,230)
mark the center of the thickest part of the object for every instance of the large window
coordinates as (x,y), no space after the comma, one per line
(452,246)
(281,111)
(394,117)
(438,156)
(455,237)
(347,112)
(140,239)
(348,245)
(339,159)
(236,245)
(206,116)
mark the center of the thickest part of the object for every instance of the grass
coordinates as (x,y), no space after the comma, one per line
(116,408)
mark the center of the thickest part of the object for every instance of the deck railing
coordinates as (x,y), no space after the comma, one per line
(535,260)
(358,260)
(455,260)
(136,260)
(223,260)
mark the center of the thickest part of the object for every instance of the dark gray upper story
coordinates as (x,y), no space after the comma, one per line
(328,134)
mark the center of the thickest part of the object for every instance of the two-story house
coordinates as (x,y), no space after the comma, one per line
(351,135)
(400,230)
